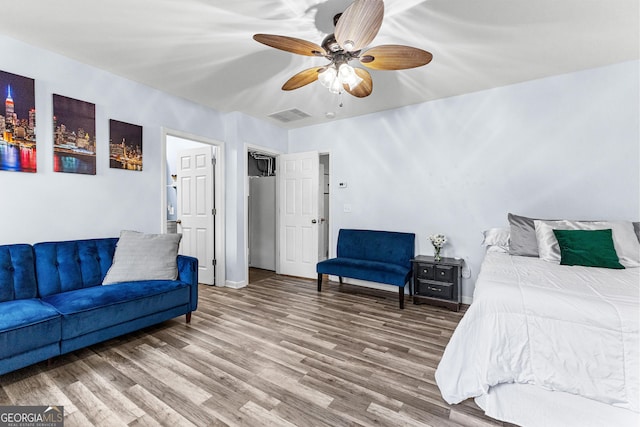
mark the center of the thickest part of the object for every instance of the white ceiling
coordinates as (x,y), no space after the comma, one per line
(203,50)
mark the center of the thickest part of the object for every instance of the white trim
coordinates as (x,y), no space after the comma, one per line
(251,147)
(235,285)
(332,249)
(367,284)
(220,249)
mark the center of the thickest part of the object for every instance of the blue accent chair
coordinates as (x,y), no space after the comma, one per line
(375,256)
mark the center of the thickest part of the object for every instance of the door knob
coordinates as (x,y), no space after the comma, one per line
(313,221)
(179,221)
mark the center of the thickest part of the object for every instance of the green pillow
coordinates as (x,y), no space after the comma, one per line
(589,248)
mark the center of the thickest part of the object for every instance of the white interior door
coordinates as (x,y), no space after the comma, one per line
(298,177)
(195,209)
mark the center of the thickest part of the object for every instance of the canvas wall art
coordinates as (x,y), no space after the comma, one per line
(17,123)
(125,146)
(74,136)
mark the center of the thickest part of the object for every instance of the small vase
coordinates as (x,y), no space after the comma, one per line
(437,256)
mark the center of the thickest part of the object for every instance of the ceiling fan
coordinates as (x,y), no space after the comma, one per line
(354,30)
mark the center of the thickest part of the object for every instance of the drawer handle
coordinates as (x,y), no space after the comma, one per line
(434,289)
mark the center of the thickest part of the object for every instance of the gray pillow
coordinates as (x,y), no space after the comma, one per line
(522,236)
(523,241)
(142,256)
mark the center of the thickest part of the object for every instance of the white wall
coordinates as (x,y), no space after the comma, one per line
(243,130)
(565,146)
(59,206)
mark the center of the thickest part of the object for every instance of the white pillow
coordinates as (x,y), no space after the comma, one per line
(141,256)
(624,238)
(496,239)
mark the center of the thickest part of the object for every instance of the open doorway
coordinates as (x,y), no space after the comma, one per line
(193,190)
(261,215)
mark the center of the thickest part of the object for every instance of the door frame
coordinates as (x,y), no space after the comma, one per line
(219,195)
(270,152)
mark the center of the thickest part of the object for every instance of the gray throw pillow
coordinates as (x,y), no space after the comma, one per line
(523,241)
(140,256)
(522,237)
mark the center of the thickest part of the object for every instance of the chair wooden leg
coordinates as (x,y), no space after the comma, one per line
(411,287)
(188,316)
(340,279)
(401,296)
(319,282)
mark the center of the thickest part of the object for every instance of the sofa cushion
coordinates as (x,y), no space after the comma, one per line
(26,325)
(17,273)
(374,271)
(142,256)
(71,265)
(90,309)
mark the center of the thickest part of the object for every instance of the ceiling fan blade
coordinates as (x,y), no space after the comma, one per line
(365,87)
(394,57)
(303,78)
(290,44)
(359,24)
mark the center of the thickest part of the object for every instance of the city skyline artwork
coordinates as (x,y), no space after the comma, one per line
(74,136)
(17,124)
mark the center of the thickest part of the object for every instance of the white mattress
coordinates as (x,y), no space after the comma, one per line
(558,328)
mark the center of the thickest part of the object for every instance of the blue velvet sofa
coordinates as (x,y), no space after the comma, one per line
(375,256)
(52,300)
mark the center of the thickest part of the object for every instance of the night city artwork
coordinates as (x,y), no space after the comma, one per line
(17,124)
(125,146)
(74,136)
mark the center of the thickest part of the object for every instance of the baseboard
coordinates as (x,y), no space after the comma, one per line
(235,285)
(373,285)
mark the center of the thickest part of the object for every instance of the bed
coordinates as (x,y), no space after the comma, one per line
(545,344)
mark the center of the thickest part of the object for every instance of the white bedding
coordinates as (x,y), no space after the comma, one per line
(572,329)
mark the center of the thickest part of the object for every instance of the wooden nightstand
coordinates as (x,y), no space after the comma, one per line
(437,283)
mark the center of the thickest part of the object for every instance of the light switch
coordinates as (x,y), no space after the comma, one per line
(342,184)
(347,208)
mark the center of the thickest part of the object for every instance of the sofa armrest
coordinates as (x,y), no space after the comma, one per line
(188,273)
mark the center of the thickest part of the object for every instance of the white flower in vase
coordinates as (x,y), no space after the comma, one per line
(438,241)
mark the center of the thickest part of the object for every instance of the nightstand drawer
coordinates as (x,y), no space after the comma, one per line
(425,271)
(443,273)
(435,289)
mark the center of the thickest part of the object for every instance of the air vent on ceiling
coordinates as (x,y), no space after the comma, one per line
(290,115)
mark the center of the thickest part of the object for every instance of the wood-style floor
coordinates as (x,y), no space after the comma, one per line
(276,353)
(257,274)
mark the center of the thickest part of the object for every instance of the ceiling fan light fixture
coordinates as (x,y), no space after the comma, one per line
(349,45)
(347,75)
(354,31)
(327,77)
(336,86)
